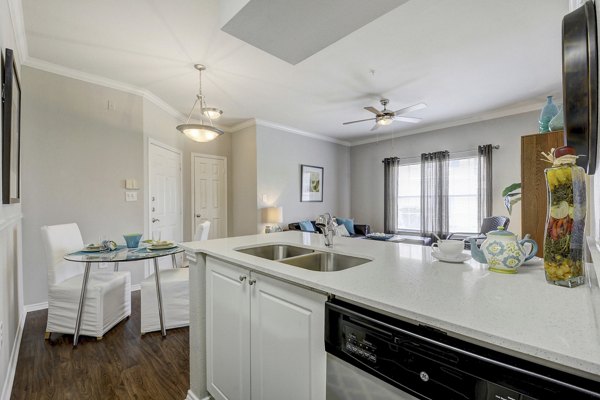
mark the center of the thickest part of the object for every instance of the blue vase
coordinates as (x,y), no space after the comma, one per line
(548,112)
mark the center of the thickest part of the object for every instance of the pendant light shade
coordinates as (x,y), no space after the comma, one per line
(201,132)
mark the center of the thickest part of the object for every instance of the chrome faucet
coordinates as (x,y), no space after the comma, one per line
(325,224)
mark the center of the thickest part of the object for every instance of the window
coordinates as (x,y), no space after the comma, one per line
(462,202)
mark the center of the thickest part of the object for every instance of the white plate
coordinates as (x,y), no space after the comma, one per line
(462,257)
(163,247)
(92,249)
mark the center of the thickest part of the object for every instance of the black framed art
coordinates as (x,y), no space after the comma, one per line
(11,131)
(311,183)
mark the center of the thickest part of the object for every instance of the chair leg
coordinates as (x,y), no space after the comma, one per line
(99,338)
(47,335)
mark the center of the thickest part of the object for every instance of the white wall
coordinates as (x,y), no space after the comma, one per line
(244,175)
(280,155)
(11,280)
(367,168)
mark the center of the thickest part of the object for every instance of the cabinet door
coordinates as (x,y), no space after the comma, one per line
(288,356)
(227,331)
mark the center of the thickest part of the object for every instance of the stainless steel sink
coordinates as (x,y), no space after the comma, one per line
(325,262)
(276,251)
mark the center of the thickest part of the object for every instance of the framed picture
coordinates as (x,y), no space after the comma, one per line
(11,131)
(311,183)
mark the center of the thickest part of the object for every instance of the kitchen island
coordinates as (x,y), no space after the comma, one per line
(516,314)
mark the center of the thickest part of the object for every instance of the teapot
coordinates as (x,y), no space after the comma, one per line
(502,251)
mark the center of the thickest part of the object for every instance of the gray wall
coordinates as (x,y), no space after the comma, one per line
(76,156)
(280,155)
(160,125)
(11,280)
(367,169)
(244,175)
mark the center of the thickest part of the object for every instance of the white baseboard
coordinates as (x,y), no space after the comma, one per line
(135,288)
(192,396)
(35,307)
(12,362)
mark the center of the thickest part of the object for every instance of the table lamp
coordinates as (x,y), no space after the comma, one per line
(272,215)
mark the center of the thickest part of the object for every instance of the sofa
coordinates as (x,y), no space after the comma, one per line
(360,230)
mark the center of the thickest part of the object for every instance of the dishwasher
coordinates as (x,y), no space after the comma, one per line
(418,362)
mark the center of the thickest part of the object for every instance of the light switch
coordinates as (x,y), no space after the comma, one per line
(130,196)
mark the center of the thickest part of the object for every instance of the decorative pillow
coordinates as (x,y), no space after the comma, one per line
(348,223)
(306,226)
(341,230)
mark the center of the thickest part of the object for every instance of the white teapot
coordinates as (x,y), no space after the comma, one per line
(502,251)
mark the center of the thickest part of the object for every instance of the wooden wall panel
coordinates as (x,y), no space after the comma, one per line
(533,191)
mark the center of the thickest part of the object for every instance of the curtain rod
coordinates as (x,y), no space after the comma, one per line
(494,147)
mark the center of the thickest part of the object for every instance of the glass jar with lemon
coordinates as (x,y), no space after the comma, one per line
(565,221)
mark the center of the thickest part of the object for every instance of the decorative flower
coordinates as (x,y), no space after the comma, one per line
(495,248)
(511,261)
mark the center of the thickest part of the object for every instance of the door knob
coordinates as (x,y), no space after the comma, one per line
(155,220)
(198,215)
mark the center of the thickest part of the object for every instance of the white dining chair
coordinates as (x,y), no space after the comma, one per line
(175,289)
(202,231)
(108,295)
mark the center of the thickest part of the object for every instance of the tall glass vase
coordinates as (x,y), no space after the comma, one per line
(548,112)
(565,220)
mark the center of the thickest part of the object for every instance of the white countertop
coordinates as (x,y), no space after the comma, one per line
(519,312)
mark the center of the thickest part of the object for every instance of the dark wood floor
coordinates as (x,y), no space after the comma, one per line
(123,365)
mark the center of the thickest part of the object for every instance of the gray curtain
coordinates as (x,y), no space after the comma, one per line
(484,188)
(434,193)
(390,194)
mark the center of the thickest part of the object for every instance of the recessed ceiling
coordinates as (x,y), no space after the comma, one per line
(464,58)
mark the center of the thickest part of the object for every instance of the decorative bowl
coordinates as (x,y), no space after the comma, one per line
(132,240)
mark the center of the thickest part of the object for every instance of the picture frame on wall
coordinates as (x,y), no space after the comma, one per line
(311,183)
(11,131)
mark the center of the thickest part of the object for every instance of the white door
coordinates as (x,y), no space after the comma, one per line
(209,192)
(288,359)
(227,331)
(165,192)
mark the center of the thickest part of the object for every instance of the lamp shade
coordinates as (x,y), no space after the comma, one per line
(272,215)
(200,132)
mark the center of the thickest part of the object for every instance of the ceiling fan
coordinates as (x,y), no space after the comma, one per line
(386,117)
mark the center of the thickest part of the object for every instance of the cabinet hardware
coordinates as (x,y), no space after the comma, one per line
(155,220)
(251,282)
(242,278)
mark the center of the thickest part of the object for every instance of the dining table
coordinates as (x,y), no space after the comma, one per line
(118,255)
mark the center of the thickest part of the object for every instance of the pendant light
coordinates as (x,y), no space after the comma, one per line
(201,132)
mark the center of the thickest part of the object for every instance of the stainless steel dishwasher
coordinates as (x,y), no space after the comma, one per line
(412,361)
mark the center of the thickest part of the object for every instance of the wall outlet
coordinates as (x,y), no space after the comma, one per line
(130,196)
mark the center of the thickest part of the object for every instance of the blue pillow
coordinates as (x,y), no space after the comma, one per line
(306,226)
(348,223)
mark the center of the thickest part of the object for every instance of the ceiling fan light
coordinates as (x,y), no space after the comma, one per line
(385,120)
(211,112)
(199,132)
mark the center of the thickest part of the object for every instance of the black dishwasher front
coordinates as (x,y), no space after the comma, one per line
(429,364)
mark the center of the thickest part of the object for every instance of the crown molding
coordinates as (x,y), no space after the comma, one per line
(269,124)
(15,8)
(450,124)
(102,81)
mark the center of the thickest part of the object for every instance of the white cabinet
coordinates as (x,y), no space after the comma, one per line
(265,337)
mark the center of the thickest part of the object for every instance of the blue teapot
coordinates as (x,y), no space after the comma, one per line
(502,251)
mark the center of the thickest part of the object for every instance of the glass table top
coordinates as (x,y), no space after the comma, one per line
(120,254)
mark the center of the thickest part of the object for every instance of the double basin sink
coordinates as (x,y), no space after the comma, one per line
(302,257)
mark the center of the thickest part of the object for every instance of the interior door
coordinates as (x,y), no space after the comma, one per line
(209,180)
(165,192)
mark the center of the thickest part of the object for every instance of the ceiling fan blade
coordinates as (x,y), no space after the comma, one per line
(376,126)
(405,110)
(360,120)
(373,110)
(408,119)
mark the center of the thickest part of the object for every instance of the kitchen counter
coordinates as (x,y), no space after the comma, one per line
(519,314)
